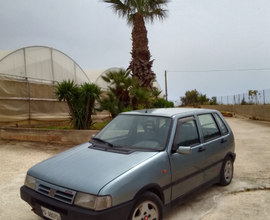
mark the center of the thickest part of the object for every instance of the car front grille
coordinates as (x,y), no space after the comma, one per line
(55,192)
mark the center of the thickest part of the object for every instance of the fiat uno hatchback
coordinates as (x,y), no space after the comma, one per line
(142,163)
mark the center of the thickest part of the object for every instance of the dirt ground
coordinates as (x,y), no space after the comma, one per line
(248,196)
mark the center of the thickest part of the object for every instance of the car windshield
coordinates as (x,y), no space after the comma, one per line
(136,132)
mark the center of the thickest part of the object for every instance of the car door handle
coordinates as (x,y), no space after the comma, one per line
(223,140)
(201,149)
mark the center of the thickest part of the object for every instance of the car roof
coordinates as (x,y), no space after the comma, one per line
(169,112)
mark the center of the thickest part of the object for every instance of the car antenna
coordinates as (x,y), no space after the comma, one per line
(146,110)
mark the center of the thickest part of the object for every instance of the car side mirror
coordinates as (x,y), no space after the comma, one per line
(93,135)
(184,150)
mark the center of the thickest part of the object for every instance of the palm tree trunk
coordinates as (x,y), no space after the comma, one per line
(86,117)
(91,111)
(141,64)
(72,113)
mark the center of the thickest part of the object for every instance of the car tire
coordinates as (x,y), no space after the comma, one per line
(226,172)
(147,207)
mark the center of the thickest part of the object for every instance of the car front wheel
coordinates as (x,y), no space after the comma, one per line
(147,207)
(226,172)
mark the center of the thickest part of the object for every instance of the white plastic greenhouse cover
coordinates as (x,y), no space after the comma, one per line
(42,64)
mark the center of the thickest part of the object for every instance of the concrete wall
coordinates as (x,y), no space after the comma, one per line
(261,112)
(73,137)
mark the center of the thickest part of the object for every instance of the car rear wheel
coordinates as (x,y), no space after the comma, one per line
(226,172)
(147,207)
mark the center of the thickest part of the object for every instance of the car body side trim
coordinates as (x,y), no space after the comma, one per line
(191,193)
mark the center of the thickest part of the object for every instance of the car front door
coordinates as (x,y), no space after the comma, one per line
(187,168)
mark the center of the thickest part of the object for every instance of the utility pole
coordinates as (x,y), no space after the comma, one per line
(166,92)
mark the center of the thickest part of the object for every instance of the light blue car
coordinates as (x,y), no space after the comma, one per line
(140,165)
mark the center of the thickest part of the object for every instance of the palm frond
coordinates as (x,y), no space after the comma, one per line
(149,9)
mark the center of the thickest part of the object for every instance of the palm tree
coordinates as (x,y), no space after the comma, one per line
(137,12)
(156,92)
(124,93)
(120,83)
(66,91)
(109,103)
(80,100)
(89,93)
(140,97)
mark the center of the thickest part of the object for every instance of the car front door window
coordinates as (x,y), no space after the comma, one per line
(188,134)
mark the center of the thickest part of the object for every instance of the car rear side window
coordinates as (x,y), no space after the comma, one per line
(223,128)
(209,127)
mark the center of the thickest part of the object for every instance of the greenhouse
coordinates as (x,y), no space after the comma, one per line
(28,79)
(41,64)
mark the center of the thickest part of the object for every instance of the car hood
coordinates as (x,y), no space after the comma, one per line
(85,169)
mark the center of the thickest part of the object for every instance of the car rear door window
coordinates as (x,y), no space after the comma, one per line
(223,128)
(209,127)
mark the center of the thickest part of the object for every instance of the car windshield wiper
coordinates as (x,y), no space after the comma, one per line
(100,140)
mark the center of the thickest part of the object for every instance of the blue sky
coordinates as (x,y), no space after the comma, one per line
(196,39)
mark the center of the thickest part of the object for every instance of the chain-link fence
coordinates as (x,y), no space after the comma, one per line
(254,97)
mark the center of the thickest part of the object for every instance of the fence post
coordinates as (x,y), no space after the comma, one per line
(264,97)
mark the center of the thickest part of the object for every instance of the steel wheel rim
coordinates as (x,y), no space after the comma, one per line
(146,210)
(228,171)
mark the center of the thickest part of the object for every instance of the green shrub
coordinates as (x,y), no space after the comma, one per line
(162,103)
(98,126)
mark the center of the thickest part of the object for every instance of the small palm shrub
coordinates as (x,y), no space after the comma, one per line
(80,100)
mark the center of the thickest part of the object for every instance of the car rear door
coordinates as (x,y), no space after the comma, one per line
(214,145)
(187,169)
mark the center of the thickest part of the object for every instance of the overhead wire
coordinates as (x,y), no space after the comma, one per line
(220,70)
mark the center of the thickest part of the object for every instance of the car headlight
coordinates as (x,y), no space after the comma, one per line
(93,202)
(30,182)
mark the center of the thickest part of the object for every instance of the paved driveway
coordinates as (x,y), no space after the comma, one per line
(248,196)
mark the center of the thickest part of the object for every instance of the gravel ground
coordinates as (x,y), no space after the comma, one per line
(248,196)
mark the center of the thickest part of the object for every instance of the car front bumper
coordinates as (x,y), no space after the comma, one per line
(70,212)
